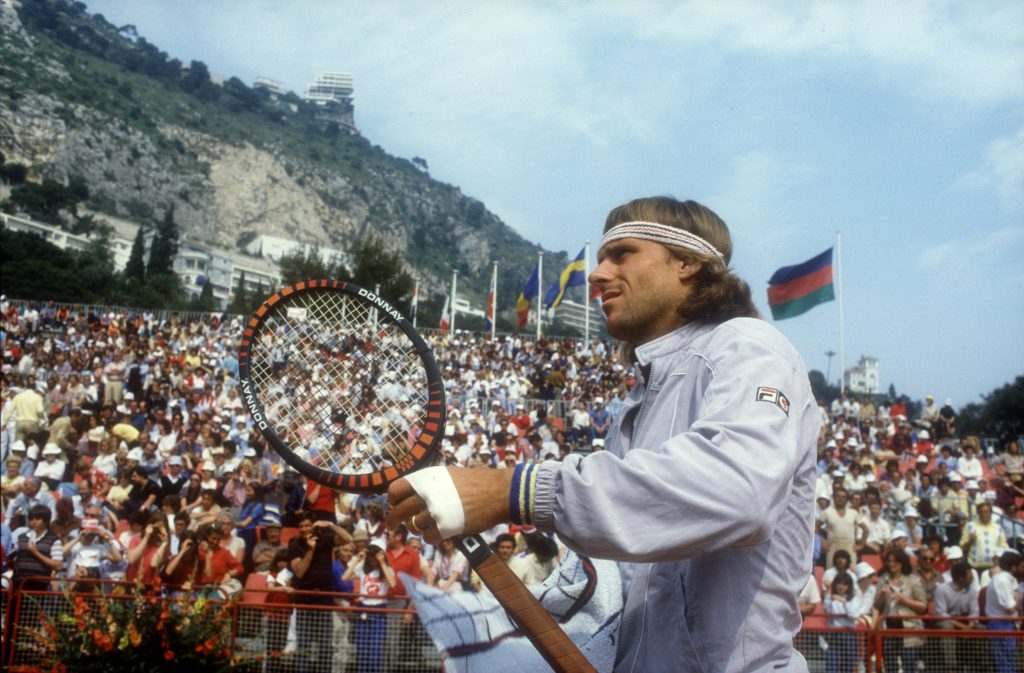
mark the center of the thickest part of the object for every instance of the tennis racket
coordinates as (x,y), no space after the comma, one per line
(347,392)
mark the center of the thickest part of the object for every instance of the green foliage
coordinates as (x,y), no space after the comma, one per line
(33,268)
(13,174)
(823,391)
(240,298)
(205,302)
(1001,414)
(165,246)
(42,201)
(375,267)
(305,264)
(135,270)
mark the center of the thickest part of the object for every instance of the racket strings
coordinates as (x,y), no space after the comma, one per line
(339,381)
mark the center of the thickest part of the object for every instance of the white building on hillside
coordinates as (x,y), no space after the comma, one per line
(863,378)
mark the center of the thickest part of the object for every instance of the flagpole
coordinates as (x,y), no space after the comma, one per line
(415,298)
(494,300)
(540,283)
(842,336)
(451,320)
(586,295)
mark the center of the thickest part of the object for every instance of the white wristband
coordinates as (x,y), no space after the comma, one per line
(435,486)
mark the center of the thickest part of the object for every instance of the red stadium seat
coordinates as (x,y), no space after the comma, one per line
(873,560)
(288,533)
(255,591)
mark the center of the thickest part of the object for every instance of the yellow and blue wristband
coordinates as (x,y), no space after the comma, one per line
(520,497)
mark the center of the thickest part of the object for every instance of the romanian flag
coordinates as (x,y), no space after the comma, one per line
(574,274)
(528,294)
(793,290)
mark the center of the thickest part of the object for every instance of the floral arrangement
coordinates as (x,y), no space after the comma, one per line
(133,633)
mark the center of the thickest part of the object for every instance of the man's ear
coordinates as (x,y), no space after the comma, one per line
(688,268)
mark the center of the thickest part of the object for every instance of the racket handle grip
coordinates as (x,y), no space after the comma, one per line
(533,620)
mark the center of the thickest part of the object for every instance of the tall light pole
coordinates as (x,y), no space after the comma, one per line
(828,373)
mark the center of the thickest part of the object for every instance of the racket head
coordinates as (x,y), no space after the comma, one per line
(341,385)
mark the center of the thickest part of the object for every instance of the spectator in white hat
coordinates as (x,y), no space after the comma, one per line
(866,577)
(51,469)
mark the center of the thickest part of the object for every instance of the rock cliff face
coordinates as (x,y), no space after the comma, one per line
(69,107)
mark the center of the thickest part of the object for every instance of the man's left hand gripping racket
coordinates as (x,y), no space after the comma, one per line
(347,392)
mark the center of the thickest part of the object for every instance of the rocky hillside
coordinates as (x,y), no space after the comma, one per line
(83,99)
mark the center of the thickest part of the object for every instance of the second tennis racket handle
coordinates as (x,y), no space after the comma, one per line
(523,607)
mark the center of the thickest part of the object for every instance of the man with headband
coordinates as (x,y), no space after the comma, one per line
(705,489)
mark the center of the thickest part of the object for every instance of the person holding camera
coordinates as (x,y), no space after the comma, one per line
(371,569)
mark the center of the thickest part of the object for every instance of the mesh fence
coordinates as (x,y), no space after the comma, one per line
(988,646)
(263,634)
(333,639)
(270,636)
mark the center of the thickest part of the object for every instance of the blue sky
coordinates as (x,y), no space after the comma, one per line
(900,125)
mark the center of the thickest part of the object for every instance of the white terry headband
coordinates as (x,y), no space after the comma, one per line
(661,233)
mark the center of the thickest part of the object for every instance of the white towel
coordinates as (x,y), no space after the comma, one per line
(474,633)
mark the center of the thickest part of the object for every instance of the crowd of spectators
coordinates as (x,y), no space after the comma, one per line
(128,454)
(918,527)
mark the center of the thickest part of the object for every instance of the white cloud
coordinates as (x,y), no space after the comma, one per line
(752,197)
(968,52)
(1002,171)
(979,252)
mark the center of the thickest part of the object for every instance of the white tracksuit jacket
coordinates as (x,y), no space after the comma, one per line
(705,492)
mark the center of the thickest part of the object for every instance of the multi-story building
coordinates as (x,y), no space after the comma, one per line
(272,86)
(863,378)
(332,92)
(573,313)
(196,263)
(275,247)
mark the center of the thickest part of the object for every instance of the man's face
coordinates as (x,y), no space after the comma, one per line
(984,514)
(875,510)
(273,535)
(641,289)
(395,541)
(505,549)
(305,527)
(841,497)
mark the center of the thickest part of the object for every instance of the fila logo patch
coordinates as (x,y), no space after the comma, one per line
(775,396)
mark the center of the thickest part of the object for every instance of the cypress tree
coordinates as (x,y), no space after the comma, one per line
(165,246)
(240,302)
(136,267)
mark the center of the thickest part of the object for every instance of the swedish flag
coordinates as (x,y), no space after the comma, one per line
(573,275)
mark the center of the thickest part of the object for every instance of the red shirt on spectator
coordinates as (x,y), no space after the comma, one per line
(223,561)
(324,502)
(403,560)
(143,568)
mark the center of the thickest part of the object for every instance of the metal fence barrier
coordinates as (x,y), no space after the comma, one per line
(264,635)
(271,632)
(935,648)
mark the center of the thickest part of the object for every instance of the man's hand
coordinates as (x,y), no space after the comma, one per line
(483,492)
